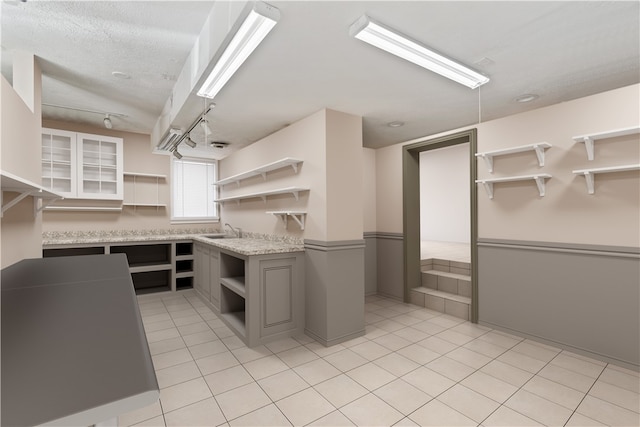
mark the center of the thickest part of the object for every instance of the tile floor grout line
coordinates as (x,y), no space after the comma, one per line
(400,309)
(586,394)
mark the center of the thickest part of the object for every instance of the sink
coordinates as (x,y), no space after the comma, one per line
(216,236)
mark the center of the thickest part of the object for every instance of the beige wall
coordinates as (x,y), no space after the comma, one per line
(330,145)
(302,140)
(369,189)
(20,143)
(567,214)
(137,158)
(344,177)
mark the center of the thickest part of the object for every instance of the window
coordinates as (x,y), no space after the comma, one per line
(193,190)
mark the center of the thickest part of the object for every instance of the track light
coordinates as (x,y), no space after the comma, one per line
(107,122)
(176,154)
(391,41)
(205,127)
(190,142)
(257,24)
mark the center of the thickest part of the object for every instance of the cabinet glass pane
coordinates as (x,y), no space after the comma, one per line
(57,157)
(61,185)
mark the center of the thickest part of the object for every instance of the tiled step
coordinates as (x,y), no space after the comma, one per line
(446,266)
(444,302)
(453,283)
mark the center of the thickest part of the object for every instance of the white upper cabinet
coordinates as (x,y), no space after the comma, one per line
(82,166)
(59,161)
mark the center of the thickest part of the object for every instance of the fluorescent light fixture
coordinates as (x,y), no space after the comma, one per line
(383,38)
(170,140)
(260,20)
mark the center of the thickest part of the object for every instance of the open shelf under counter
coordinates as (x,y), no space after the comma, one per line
(235,284)
(538,178)
(262,170)
(589,174)
(236,319)
(294,191)
(538,148)
(589,139)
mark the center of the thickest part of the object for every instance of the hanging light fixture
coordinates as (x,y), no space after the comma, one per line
(176,154)
(190,142)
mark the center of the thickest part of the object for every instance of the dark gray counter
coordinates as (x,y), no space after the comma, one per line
(74,351)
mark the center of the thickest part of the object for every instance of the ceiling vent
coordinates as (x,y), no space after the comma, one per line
(219,144)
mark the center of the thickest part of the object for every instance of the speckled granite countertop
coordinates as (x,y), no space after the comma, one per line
(253,244)
(250,246)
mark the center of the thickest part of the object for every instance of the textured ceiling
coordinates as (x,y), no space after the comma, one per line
(557,50)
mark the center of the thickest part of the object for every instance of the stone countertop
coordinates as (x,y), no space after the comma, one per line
(245,246)
(248,246)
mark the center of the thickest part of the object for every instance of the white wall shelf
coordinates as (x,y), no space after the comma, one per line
(294,191)
(145,205)
(538,148)
(25,188)
(84,208)
(589,174)
(591,138)
(298,216)
(538,178)
(262,170)
(145,177)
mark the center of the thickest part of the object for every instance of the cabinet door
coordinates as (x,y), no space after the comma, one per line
(59,161)
(214,278)
(278,295)
(100,166)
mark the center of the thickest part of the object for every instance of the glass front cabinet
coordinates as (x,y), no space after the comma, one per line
(82,166)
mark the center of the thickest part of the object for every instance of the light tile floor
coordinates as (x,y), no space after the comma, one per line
(453,251)
(413,367)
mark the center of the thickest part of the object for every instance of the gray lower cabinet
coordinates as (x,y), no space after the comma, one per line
(260,297)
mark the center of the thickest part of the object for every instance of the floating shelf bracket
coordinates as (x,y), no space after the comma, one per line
(24,188)
(539,179)
(590,174)
(298,217)
(15,201)
(539,148)
(590,139)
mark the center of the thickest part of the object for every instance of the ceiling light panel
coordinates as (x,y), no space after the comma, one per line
(393,42)
(258,23)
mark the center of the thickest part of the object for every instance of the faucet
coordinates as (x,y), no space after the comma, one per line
(237,232)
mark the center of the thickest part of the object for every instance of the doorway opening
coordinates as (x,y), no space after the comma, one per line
(455,283)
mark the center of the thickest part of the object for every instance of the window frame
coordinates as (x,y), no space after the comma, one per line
(194,220)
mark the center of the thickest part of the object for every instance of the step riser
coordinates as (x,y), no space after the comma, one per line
(442,305)
(446,266)
(446,284)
